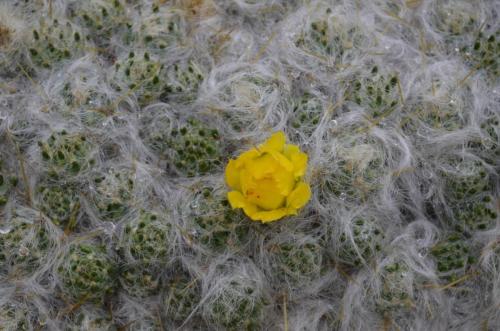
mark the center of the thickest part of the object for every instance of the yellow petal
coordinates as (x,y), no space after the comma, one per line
(282,160)
(246,156)
(265,194)
(261,166)
(299,196)
(275,143)
(297,158)
(285,181)
(233,175)
(237,200)
(269,216)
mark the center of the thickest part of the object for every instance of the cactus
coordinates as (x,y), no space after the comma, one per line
(195,149)
(147,239)
(66,154)
(87,272)
(357,173)
(360,242)
(296,263)
(378,94)
(102,18)
(14,319)
(8,182)
(182,296)
(54,41)
(24,246)
(454,18)
(138,281)
(143,75)
(307,114)
(112,193)
(59,202)
(95,320)
(329,37)
(453,257)
(484,54)
(238,306)
(216,225)
(161,29)
(396,288)
(183,78)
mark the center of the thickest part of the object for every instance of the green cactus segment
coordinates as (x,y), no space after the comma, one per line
(23,246)
(298,263)
(65,153)
(87,272)
(161,30)
(184,78)
(139,281)
(360,243)
(91,320)
(329,37)
(14,319)
(217,225)
(196,149)
(113,194)
(102,18)
(469,196)
(455,18)
(148,239)
(237,307)
(378,94)
(54,41)
(59,202)
(8,182)
(442,117)
(453,257)
(307,114)
(183,295)
(491,145)
(357,174)
(484,54)
(396,288)
(143,75)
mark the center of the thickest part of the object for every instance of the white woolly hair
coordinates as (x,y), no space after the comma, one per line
(254,65)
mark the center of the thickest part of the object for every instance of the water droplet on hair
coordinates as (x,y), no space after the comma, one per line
(5,231)
(334,122)
(343,196)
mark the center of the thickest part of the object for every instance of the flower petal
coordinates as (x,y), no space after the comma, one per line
(237,200)
(246,156)
(297,158)
(269,216)
(282,160)
(265,194)
(233,175)
(261,166)
(299,196)
(275,143)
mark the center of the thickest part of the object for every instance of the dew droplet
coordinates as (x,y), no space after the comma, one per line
(5,231)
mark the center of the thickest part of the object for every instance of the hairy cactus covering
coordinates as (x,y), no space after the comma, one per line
(118,119)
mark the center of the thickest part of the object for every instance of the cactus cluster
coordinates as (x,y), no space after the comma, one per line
(396,288)
(91,320)
(184,78)
(237,306)
(141,74)
(160,29)
(61,203)
(113,193)
(297,264)
(87,272)
(453,257)
(24,246)
(484,54)
(102,18)
(378,93)
(454,18)
(66,153)
(53,41)
(195,148)
(329,37)
(146,244)
(216,225)
(8,181)
(357,173)
(181,298)
(307,113)
(360,242)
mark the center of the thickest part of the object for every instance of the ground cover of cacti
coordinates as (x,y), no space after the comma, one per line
(117,121)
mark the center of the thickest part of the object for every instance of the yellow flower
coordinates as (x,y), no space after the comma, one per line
(267,181)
